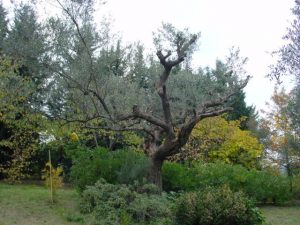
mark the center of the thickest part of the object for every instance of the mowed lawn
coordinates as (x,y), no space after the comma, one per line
(282,215)
(30,205)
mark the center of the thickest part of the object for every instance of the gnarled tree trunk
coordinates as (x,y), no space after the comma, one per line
(155,173)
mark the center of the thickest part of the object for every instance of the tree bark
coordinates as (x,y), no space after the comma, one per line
(155,175)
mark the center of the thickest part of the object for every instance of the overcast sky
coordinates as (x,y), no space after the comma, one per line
(255,26)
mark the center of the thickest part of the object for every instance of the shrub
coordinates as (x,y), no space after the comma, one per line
(216,206)
(125,204)
(121,166)
(177,177)
(296,186)
(260,185)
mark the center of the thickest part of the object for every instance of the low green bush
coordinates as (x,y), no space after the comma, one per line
(121,166)
(260,185)
(296,186)
(216,206)
(177,177)
(125,204)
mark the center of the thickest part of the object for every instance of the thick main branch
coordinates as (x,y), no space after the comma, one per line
(136,113)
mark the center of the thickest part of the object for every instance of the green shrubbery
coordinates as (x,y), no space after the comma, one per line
(126,204)
(177,177)
(216,206)
(262,186)
(141,204)
(296,186)
(125,166)
(121,166)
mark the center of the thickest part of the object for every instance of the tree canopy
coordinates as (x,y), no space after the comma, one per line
(216,139)
(83,73)
(283,137)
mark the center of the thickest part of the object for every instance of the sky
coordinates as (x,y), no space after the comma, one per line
(256,27)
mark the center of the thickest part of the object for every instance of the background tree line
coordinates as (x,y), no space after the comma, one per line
(66,74)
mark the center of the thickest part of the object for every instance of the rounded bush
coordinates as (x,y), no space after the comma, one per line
(137,204)
(216,206)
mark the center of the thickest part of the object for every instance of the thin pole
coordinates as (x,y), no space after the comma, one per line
(95,138)
(50,173)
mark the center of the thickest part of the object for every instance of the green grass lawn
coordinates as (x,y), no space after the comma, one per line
(30,205)
(282,215)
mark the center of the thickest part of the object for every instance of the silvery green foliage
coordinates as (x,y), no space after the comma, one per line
(189,90)
(168,38)
(288,63)
(118,204)
(288,55)
(90,60)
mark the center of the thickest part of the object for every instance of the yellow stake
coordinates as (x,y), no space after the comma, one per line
(51,183)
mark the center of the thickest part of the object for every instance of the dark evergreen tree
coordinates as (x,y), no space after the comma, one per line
(240,109)
(25,45)
(3,26)
(23,78)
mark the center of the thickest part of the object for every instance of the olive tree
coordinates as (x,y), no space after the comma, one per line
(288,54)
(94,67)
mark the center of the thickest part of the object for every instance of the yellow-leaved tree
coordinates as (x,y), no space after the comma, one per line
(216,139)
